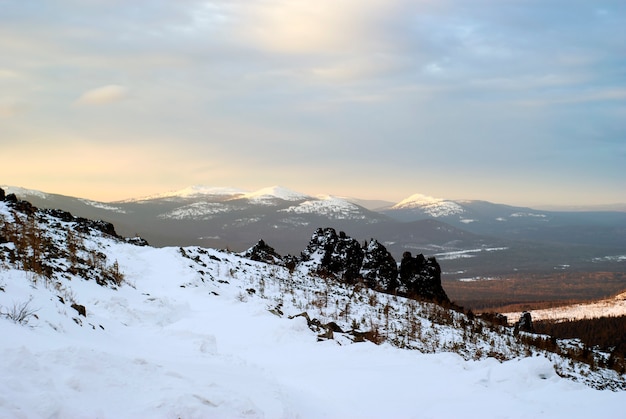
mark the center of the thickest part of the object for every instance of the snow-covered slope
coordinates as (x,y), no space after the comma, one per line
(193,332)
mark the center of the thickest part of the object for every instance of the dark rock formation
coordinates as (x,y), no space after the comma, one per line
(379,268)
(60,214)
(421,278)
(105,227)
(262,252)
(525,323)
(339,255)
(342,257)
(2,194)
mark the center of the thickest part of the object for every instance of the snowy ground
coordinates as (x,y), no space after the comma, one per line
(183,337)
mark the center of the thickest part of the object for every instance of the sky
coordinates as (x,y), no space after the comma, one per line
(511,101)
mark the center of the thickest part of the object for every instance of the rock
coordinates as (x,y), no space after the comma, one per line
(379,268)
(525,323)
(421,278)
(105,227)
(60,214)
(2,194)
(261,252)
(80,309)
(338,255)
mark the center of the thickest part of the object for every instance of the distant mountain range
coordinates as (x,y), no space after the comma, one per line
(472,238)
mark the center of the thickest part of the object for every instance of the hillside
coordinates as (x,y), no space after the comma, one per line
(110,327)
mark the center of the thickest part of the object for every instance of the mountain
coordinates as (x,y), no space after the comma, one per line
(103,326)
(595,228)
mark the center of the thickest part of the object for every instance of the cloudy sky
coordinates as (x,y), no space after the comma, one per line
(513,101)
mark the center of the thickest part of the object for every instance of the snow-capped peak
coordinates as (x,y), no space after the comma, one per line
(276,192)
(435,207)
(417,200)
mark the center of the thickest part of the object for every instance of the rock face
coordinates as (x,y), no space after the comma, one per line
(379,268)
(2,194)
(342,257)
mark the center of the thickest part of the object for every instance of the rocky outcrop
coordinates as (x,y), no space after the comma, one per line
(525,323)
(336,254)
(342,257)
(379,268)
(421,278)
(11,198)
(2,194)
(262,252)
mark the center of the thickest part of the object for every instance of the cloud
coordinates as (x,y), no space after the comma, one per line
(101,95)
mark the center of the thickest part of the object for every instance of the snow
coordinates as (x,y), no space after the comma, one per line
(184,336)
(435,207)
(615,306)
(469,253)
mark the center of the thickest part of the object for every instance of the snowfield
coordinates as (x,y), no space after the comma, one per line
(201,333)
